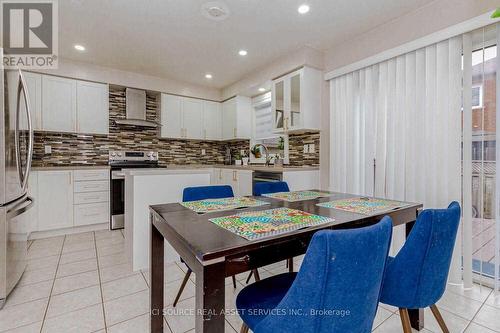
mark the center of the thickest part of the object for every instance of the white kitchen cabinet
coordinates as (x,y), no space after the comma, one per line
(58,104)
(55,200)
(212,120)
(239,180)
(302,180)
(296,101)
(192,118)
(92,107)
(181,117)
(216,177)
(237,118)
(171,116)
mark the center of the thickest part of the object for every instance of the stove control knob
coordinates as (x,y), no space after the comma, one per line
(119,154)
(113,154)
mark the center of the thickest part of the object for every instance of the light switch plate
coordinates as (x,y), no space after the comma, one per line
(312,148)
(203,152)
(48,149)
(306,149)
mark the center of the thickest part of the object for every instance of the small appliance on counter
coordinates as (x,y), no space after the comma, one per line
(120,161)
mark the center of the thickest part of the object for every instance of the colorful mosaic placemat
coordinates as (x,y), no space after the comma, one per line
(297,195)
(216,205)
(259,224)
(365,206)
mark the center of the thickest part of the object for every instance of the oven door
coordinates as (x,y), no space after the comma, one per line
(117,199)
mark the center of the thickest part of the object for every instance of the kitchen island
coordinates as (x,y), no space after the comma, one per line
(145,187)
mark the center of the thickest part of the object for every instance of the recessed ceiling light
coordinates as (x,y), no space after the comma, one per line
(208,76)
(79,47)
(303,9)
(262,89)
(242,52)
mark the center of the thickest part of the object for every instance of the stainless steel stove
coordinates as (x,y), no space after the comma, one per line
(119,161)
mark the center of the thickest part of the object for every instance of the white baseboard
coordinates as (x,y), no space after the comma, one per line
(68,231)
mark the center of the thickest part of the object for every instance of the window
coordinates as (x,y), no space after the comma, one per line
(477,97)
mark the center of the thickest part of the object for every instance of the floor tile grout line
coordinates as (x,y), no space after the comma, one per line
(100,286)
(51,289)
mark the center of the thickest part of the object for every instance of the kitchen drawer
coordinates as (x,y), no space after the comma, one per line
(91,213)
(83,175)
(91,197)
(92,186)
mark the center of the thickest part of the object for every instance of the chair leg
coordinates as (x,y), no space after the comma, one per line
(249,277)
(439,318)
(289,264)
(256,274)
(405,320)
(234,282)
(183,285)
(244,328)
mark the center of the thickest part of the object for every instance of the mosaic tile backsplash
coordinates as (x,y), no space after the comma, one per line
(89,149)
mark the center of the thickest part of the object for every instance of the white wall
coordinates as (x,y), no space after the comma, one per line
(85,71)
(436,16)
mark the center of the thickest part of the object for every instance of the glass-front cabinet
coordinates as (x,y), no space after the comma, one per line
(296,101)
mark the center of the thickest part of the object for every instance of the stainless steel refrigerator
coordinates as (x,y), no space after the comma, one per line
(16,152)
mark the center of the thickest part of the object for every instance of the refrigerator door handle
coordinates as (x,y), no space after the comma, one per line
(23,176)
(14,211)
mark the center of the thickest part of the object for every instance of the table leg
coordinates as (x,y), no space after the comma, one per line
(210,297)
(290,265)
(416,315)
(156,280)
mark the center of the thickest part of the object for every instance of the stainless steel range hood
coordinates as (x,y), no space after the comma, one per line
(136,110)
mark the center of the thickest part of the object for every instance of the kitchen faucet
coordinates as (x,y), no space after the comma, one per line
(268,159)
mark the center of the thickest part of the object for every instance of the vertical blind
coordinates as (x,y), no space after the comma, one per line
(396,130)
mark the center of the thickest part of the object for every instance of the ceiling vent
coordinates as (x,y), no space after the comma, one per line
(215,10)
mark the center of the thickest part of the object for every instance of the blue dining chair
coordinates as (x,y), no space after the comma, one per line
(269,187)
(200,193)
(259,189)
(336,289)
(416,277)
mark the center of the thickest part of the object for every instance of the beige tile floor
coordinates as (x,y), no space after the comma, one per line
(83,283)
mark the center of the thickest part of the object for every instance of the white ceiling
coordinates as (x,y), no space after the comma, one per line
(170,38)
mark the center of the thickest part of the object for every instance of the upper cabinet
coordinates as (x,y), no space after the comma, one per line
(296,101)
(237,118)
(191,118)
(66,105)
(171,116)
(181,117)
(92,107)
(212,119)
(58,104)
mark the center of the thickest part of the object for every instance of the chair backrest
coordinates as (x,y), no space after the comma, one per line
(269,187)
(207,192)
(417,276)
(338,285)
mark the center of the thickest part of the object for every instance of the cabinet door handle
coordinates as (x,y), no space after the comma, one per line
(205,133)
(234,132)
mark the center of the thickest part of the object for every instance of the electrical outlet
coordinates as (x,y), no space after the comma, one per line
(203,152)
(242,152)
(312,148)
(306,149)
(48,149)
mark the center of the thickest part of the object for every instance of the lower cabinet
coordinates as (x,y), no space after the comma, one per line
(239,180)
(55,200)
(69,198)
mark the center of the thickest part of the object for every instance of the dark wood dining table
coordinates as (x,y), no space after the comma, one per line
(214,253)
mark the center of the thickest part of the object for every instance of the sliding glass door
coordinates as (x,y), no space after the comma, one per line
(480,157)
